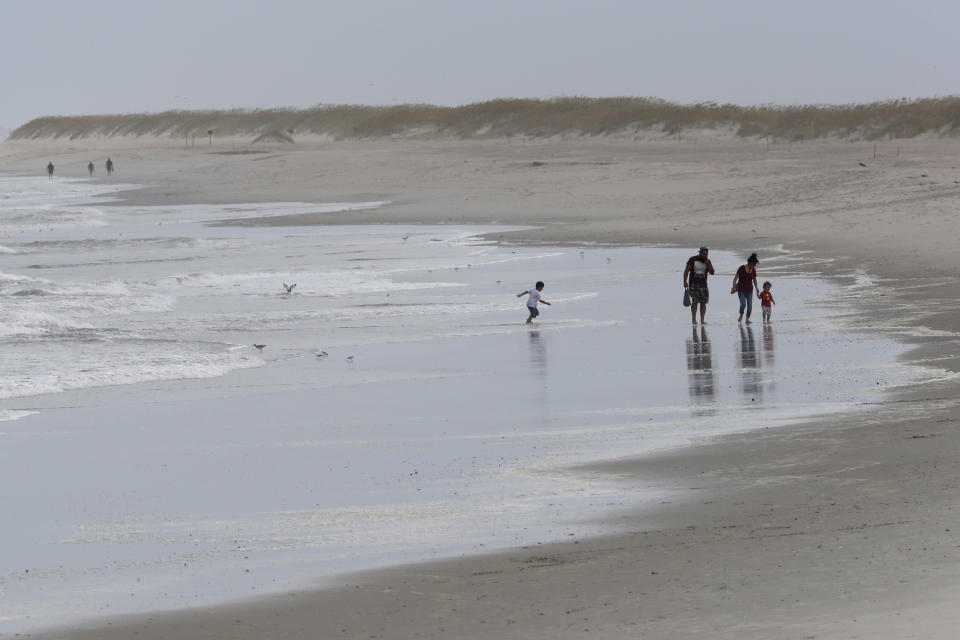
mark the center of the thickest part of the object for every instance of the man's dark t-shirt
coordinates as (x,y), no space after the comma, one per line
(698,270)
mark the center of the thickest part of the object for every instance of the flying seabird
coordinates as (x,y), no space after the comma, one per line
(289,287)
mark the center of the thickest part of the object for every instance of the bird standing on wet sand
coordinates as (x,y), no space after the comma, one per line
(259,347)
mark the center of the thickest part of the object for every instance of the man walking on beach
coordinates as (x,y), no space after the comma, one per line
(697,270)
(50,170)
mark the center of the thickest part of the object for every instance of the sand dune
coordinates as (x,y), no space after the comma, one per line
(520,118)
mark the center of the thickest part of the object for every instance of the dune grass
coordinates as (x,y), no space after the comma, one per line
(901,118)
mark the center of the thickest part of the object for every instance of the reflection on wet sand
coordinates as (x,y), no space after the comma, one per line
(700,369)
(768,357)
(748,363)
(538,353)
(769,360)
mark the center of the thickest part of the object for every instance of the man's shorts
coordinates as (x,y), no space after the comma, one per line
(533,312)
(699,294)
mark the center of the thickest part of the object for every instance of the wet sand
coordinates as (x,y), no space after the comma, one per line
(841,528)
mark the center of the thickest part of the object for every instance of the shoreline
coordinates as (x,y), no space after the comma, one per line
(843,527)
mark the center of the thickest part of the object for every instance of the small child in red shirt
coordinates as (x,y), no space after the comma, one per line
(766,301)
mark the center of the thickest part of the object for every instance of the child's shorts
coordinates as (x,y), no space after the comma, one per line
(534,312)
(766,312)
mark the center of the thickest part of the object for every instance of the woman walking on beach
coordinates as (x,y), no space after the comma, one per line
(745,285)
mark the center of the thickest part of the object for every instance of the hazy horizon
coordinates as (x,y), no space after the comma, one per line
(92,59)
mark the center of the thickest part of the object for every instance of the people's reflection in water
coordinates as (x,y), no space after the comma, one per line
(700,370)
(538,353)
(748,362)
(768,357)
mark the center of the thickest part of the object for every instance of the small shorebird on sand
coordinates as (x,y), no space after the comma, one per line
(322,354)
(350,358)
(259,347)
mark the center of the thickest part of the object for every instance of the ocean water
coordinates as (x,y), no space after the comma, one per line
(401,410)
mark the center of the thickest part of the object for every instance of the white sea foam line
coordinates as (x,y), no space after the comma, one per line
(84,245)
(36,323)
(15,414)
(113,374)
(30,317)
(12,277)
(211,213)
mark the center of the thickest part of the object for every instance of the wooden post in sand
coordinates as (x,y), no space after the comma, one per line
(210,134)
(874,150)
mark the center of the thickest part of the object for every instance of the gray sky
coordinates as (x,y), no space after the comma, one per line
(68,57)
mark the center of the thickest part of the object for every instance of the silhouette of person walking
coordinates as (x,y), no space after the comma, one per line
(109,166)
(90,168)
(50,170)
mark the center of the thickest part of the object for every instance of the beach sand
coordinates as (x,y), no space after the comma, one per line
(841,528)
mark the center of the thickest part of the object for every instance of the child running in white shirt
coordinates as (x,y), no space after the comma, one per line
(533,300)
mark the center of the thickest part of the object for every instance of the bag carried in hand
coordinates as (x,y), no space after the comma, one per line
(686,297)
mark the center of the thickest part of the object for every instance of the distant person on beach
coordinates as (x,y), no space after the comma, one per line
(745,284)
(695,282)
(50,170)
(766,301)
(532,301)
(109,166)
(91,168)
